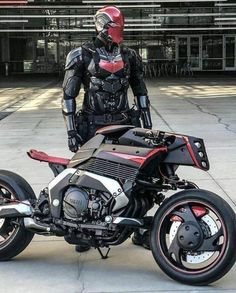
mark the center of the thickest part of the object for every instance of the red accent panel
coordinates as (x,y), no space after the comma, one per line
(138,159)
(111,66)
(43,157)
(13,2)
(199,211)
(191,152)
(117,27)
(176,219)
(155,151)
(104,128)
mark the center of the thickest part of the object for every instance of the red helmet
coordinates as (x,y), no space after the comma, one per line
(112,19)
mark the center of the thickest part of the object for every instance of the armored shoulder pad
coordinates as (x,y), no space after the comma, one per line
(89,46)
(73,57)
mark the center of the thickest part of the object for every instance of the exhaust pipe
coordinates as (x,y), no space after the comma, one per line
(133,222)
(31,225)
(43,229)
(12,210)
(124,221)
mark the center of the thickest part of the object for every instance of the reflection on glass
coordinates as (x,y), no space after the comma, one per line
(143,53)
(212,46)
(40,50)
(194,52)
(183,50)
(161,49)
(212,64)
(52,52)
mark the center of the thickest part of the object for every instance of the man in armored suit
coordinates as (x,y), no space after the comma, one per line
(105,68)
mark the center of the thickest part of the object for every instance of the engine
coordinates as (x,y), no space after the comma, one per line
(75,202)
(80,204)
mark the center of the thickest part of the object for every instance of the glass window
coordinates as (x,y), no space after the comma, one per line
(52,52)
(229,51)
(194,52)
(162,48)
(212,64)
(170,48)
(212,47)
(29,50)
(143,53)
(183,49)
(212,52)
(40,50)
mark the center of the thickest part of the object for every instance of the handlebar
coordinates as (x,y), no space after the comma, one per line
(149,134)
(143,133)
(157,137)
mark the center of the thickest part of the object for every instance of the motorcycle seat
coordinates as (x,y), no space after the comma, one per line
(111,129)
(43,157)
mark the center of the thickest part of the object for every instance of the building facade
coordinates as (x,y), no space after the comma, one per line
(36,35)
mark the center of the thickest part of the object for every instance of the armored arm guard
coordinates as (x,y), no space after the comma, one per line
(71,87)
(139,89)
(143,105)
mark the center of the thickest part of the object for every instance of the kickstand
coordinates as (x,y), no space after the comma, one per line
(103,256)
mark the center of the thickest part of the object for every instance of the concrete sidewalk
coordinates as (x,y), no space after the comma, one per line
(204,108)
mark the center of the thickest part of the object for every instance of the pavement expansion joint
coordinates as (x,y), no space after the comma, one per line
(219,119)
(218,184)
(81,259)
(159,115)
(22,100)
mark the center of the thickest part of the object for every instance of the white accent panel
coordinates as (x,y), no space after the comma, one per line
(59,177)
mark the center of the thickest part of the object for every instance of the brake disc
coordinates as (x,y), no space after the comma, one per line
(197,257)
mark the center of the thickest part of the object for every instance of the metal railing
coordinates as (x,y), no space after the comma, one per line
(30,67)
(166,68)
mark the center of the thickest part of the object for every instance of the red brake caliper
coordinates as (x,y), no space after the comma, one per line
(198,212)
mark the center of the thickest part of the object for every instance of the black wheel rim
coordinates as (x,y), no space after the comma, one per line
(8,226)
(206,253)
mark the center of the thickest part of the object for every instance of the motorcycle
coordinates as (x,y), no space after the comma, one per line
(102,195)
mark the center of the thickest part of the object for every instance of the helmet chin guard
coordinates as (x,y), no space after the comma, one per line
(109,21)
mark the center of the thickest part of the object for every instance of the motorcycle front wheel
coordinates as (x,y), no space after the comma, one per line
(193,237)
(14,238)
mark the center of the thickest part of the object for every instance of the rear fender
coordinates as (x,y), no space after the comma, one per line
(188,151)
(20,186)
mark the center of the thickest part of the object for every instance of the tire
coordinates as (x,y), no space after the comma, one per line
(176,258)
(19,238)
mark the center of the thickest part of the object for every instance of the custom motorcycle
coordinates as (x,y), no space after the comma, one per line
(102,195)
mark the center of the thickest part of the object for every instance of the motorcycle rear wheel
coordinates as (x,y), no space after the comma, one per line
(193,237)
(14,238)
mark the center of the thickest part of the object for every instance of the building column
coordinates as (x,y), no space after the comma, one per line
(5,48)
(5,55)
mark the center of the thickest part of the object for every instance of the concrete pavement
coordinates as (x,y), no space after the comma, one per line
(200,107)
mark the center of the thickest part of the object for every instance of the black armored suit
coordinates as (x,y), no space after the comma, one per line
(106,75)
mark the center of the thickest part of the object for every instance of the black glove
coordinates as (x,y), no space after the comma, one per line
(74,141)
